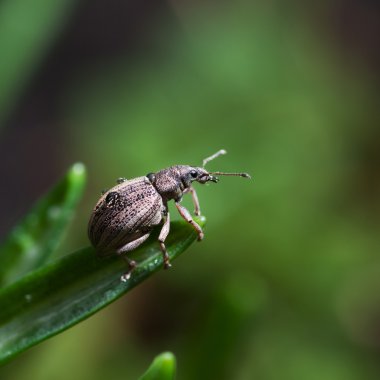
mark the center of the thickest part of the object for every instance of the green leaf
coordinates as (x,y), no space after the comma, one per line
(63,293)
(33,240)
(162,368)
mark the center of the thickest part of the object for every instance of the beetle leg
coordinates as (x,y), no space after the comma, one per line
(133,244)
(131,266)
(186,215)
(163,235)
(129,247)
(197,210)
(120,180)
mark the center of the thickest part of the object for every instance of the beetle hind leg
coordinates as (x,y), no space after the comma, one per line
(131,266)
(127,248)
(132,244)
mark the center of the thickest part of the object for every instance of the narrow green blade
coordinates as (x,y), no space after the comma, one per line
(61,294)
(32,241)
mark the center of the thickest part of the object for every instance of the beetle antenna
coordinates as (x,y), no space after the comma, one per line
(244,175)
(215,155)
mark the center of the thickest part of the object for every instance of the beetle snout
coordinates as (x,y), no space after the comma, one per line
(208,178)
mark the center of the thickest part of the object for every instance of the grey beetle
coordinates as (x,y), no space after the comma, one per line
(125,215)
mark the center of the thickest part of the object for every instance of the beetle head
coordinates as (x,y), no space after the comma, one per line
(201,175)
(211,176)
(171,182)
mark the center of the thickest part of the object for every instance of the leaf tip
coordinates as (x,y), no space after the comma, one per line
(78,169)
(202,219)
(166,358)
(162,368)
(76,175)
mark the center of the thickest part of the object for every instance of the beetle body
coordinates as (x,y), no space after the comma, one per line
(125,215)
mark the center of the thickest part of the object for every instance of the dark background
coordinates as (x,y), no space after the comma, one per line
(286,282)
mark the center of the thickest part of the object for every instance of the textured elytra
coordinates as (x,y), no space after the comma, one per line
(123,214)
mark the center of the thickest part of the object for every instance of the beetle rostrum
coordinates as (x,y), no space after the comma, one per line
(126,214)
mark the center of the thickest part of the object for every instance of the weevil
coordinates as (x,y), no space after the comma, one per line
(126,214)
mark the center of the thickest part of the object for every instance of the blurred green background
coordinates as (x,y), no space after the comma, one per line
(286,283)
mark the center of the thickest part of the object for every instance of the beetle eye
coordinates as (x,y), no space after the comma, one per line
(151,177)
(193,174)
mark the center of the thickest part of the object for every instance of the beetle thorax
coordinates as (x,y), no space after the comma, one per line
(167,183)
(171,182)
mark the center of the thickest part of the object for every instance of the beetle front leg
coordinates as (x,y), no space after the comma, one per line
(162,237)
(186,215)
(194,196)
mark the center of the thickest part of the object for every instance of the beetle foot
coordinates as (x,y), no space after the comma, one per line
(167,264)
(165,256)
(201,235)
(126,276)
